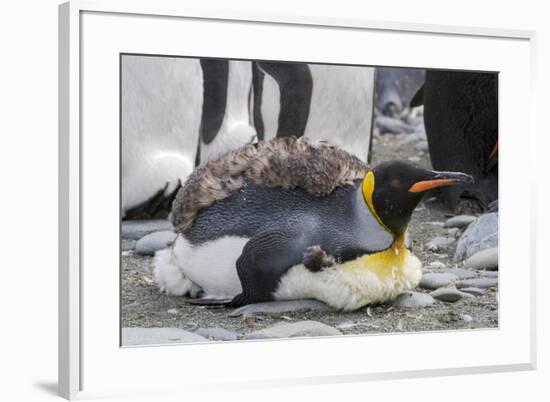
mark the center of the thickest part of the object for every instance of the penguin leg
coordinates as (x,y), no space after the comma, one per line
(296,87)
(264,260)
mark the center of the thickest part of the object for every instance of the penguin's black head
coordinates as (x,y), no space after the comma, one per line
(393,189)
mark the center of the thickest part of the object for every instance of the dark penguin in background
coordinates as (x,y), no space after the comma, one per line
(461,120)
(291,219)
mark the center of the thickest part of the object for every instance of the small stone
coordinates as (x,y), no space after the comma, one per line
(346,325)
(218,334)
(173,311)
(459,221)
(389,125)
(485,259)
(295,329)
(437,280)
(158,336)
(410,299)
(449,294)
(466,317)
(442,241)
(153,242)
(435,265)
(460,273)
(431,247)
(489,274)
(454,232)
(473,291)
(136,229)
(478,283)
(280,307)
(127,245)
(480,235)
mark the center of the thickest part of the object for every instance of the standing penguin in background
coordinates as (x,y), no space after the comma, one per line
(461,120)
(225,119)
(161,100)
(289,219)
(333,103)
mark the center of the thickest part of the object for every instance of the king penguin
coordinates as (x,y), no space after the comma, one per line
(291,219)
(461,120)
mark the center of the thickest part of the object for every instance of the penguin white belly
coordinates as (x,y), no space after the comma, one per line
(368,279)
(210,266)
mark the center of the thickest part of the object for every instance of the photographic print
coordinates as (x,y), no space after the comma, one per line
(267,199)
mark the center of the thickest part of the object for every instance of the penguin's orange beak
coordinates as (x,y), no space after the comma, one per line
(441,179)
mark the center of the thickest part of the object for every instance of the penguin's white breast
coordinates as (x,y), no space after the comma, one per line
(212,265)
(353,284)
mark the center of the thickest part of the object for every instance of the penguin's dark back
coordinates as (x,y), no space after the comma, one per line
(461,119)
(255,208)
(287,163)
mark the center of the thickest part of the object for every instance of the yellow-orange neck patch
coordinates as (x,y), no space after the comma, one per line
(367,189)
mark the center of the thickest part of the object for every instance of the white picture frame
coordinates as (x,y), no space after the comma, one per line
(79,306)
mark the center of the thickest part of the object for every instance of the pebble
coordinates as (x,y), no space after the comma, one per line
(279,307)
(478,283)
(437,280)
(436,265)
(485,259)
(346,325)
(136,229)
(158,336)
(389,125)
(431,247)
(479,235)
(439,242)
(454,232)
(473,291)
(151,243)
(410,299)
(218,334)
(442,241)
(459,221)
(173,311)
(460,273)
(489,274)
(466,317)
(127,245)
(295,329)
(433,223)
(449,294)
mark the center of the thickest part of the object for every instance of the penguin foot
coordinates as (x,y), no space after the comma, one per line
(315,259)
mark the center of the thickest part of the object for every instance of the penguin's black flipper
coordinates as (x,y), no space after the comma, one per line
(266,257)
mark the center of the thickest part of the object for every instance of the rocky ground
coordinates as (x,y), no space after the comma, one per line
(451,296)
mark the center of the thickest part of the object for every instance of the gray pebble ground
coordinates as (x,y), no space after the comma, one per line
(151,317)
